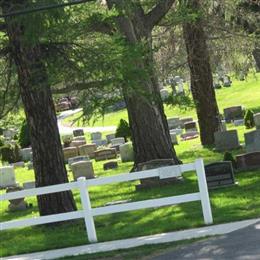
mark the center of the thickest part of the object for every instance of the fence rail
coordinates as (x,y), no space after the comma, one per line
(88,213)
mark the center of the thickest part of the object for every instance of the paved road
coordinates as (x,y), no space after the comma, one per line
(243,244)
(68,130)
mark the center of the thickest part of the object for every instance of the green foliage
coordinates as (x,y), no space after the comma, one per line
(24,137)
(1,141)
(229,157)
(123,129)
(249,119)
(10,153)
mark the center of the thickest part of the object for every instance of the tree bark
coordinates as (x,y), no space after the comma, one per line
(36,95)
(150,133)
(201,77)
(256,55)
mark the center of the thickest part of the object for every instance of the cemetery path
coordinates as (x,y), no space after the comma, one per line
(241,244)
(63,129)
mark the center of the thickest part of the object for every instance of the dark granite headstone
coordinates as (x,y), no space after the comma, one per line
(155,181)
(219,174)
(78,132)
(248,161)
(233,113)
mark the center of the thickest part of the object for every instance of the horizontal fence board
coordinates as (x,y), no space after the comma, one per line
(39,191)
(135,175)
(145,204)
(42,220)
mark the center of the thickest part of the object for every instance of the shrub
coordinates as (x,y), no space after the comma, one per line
(10,153)
(1,141)
(249,119)
(24,137)
(123,130)
(229,157)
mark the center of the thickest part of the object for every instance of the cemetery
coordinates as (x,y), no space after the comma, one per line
(107,138)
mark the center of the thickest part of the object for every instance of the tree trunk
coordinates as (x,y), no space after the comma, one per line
(201,77)
(256,55)
(150,132)
(36,95)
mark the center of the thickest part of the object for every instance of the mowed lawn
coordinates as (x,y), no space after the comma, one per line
(238,202)
(246,93)
(241,201)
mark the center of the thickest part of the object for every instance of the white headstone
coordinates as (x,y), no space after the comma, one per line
(26,154)
(126,152)
(82,169)
(174,138)
(77,159)
(118,141)
(7,176)
(164,93)
(96,136)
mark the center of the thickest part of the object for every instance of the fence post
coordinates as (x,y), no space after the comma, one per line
(86,205)
(204,194)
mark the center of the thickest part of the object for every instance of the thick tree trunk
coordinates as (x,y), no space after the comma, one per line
(150,133)
(201,77)
(256,55)
(40,113)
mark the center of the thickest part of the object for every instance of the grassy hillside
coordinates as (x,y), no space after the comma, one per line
(246,93)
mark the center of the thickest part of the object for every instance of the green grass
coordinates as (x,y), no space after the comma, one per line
(233,203)
(244,93)
(238,202)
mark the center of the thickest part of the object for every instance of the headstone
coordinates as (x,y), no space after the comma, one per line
(174,138)
(126,152)
(105,154)
(185,120)
(239,122)
(155,181)
(78,132)
(226,140)
(82,169)
(173,122)
(79,138)
(164,94)
(248,161)
(29,185)
(109,137)
(76,143)
(252,140)
(219,174)
(180,88)
(100,142)
(226,81)
(7,176)
(9,133)
(30,165)
(87,150)
(26,154)
(96,136)
(77,159)
(190,135)
(118,141)
(110,165)
(233,113)
(18,164)
(16,204)
(176,131)
(190,126)
(70,152)
(67,138)
(257,120)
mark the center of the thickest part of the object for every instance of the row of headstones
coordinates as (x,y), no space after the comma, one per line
(221,174)
(228,140)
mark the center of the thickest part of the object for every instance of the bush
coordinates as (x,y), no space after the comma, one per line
(123,130)
(10,153)
(24,137)
(249,119)
(1,141)
(229,157)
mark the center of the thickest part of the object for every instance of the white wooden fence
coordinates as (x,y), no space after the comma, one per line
(88,213)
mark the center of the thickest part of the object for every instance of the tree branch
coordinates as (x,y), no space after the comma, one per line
(79,86)
(158,12)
